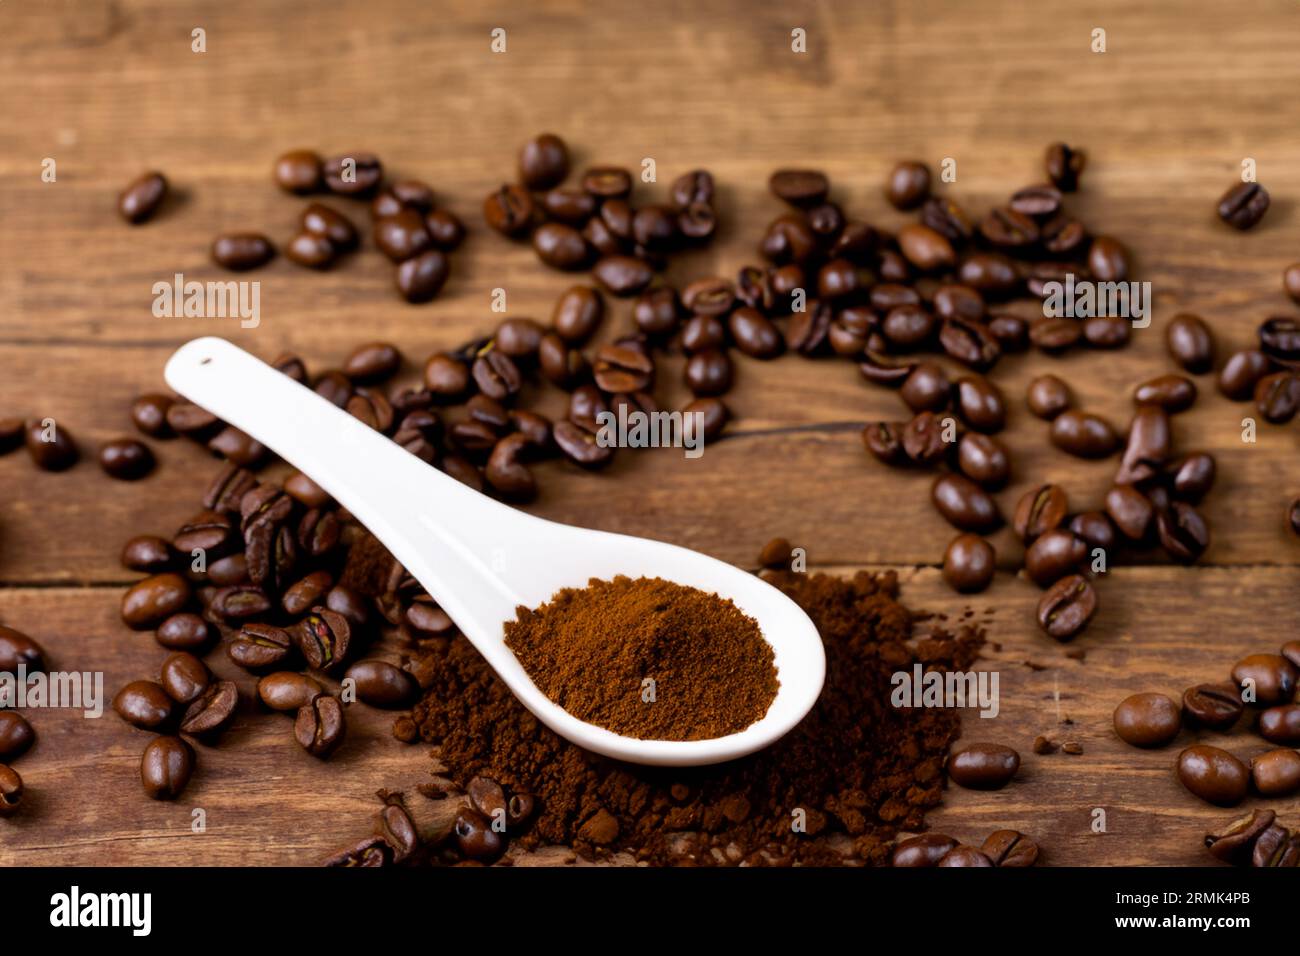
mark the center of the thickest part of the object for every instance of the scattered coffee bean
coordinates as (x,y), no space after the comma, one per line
(1131,511)
(322,637)
(964,504)
(241,251)
(1237,840)
(908,185)
(1276,773)
(299,171)
(965,856)
(1244,205)
(144,704)
(983,766)
(149,413)
(166,767)
(1048,396)
(1214,775)
(287,691)
(142,198)
(983,460)
(1281,725)
(1067,607)
(11,791)
(49,445)
(422,277)
(355,174)
(1265,679)
(799,187)
(184,677)
(1173,393)
(149,602)
(126,459)
(924,850)
(1064,166)
(17,649)
(1040,510)
(1242,372)
(475,837)
(968,564)
(1010,848)
(1277,396)
(1053,555)
(1147,720)
(319,726)
(1190,343)
(1083,435)
(212,710)
(1212,706)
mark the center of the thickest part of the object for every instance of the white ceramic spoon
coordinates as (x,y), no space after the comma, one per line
(481,559)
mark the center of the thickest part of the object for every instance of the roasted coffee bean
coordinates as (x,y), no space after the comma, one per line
(890,295)
(880,369)
(1106,332)
(1108,260)
(1048,396)
(964,504)
(965,856)
(579,445)
(1291,651)
(789,240)
(11,791)
(1265,679)
(1279,338)
(711,296)
(709,372)
(968,564)
(166,767)
(1037,202)
(908,185)
(1277,396)
(236,446)
(446,377)
(1131,511)
(322,637)
(799,187)
(1064,165)
(622,275)
(925,248)
(191,420)
(320,726)
(355,607)
(232,569)
(1276,773)
(1213,706)
(884,440)
(422,277)
(948,219)
(657,311)
(1281,725)
(306,593)
(1053,555)
(970,343)
(286,691)
(1055,334)
(983,766)
(241,251)
(954,301)
(1235,843)
(543,162)
(1190,343)
(16,735)
(563,366)
(141,703)
(1183,533)
(150,601)
(184,632)
(1148,447)
(445,229)
(585,404)
(148,553)
(49,445)
(381,684)
(212,532)
(578,313)
(519,338)
(149,413)
(1173,393)
(1010,848)
(487,797)
(371,408)
(299,171)
(607,182)
(619,368)
(840,279)
(809,331)
(927,388)
(329,224)
(1214,775)
(1067,607)
(142,197)
(924,438)
(1083,435)
(1243,205)
(310,250)
(1040,510)
(990,273)
(17,649)
(908,327)
(983,460)
(924,850)
(560,246)
(1008,229)
(980,403)
(654,228)
(212,710)
(690,188)
(228,489)
(754,334)
(475,837)
(240,602)
(497,375)
(713,414)
(1147,720)
(184,677)
(1095,529)
(1063,236)
(353,174)
(506,473)
(1241,373)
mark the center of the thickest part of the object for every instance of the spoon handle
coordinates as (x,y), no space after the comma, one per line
(442,532)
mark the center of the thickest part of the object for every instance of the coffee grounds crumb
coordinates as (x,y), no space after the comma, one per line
(1072,747)
(836,789)
(1042,745)
(775,554)
(647,658)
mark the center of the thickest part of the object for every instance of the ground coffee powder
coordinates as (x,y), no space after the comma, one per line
(647,658)
(836,789)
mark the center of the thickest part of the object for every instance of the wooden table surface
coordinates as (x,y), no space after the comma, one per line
(108,88)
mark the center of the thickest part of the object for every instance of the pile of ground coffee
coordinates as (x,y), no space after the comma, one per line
(647,658)
(836,789)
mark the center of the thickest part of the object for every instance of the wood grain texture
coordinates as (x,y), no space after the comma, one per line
(110,87)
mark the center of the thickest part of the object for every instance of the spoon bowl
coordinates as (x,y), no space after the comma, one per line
(481,559)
